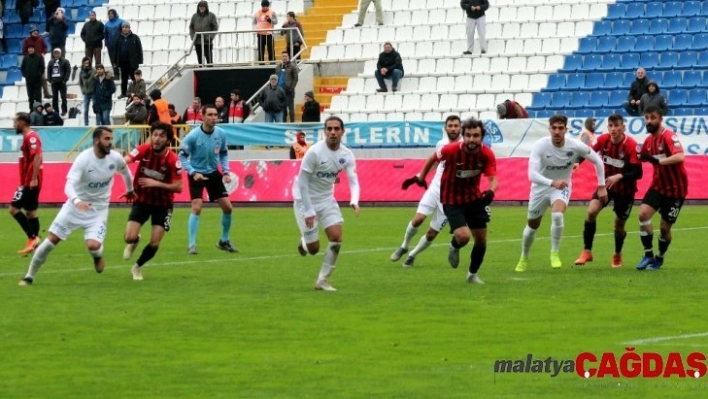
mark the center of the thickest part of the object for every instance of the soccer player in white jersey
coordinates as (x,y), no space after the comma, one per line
(314,202)
(88,188)
(429,203)
(550,166)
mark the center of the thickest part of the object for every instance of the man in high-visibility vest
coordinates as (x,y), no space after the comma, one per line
(265,18)
(299,148)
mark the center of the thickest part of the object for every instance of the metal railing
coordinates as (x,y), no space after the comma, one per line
(126,137)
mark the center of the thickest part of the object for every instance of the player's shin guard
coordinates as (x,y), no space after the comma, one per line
(97,253)
(410,233)
(423,244)
(477,257)
(557,227)
(589,234)
(225,226)
(619,241)
(647,238)
(330,260)
(663,247)
(22,220)
(34,226)
(527,240)
(39,257)
(193,227)
(148,253)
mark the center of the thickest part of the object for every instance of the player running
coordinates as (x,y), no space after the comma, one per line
(157,179)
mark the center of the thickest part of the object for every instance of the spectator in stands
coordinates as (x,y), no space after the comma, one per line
(193,113)
(653,98)
(265,18)
(638,89)
(311,109)
(137,86)
(37,115)
(93,34)
(390,66)
(103,89)
(293,41)
(51,117)
(58,30)
(511,110)
(33,70)
(300,146)
(287,79)
(273,100)
(475,20)
(50,7)
(87,76)
(112,33)
(220,109)
(203,21)
(587,135)
(3,39)
(128,55)
(364,6)
(59,72)
(175,118)
(238,110)
(135,112)
(24,10)
(40,47)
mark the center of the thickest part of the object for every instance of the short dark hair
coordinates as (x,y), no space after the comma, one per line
(452,118)
(165,127)
(236,92)
(558,118)
(615,118)
(206,107)
(652,109)
(291,14)
(23,117)
(99,131)
(335,118)
(171,106)
(473,123)
(389,43)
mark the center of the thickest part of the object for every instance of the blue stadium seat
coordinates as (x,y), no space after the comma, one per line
(594,81)
(702,61)
(700,41)
(572,63)
(639,27)
(604,112)
(583,113)
(697,97)
(691,9)
(634,10)
(670,80)
(560,99)
(587,45)
(13,31)
(700,112)
(682,42)
(690,80)
(687,59)
(672,9)
(704,9)
(10,61)
(591,62)
(668,60)
(663,43)
(644,43)
(14,46)
(696,25)
(544,114)
(610,62)
(614,80)
(575,81)
(678,25)
(606,44)
(540,100)
(681,111)
(654,10)
(13,75)
(602,28)
(621,27)
(82,13)
(616,11)
(677,97)
(556,82)
(11,17)
(598,99)
(649,60)
(629,77)
(629,62)
(617,98)
(625,44)
(658,26)
(579,99)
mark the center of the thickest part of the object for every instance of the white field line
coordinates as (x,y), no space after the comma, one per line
(662,339)
(239,259)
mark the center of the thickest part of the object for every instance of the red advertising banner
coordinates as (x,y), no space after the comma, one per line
(380,180)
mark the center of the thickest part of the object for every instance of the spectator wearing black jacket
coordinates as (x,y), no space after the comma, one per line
(92,34)
(58,30)
(638,89)
(128,56)
(475,20)
(311,109)
(390,66)
(32,70)
(58,73)
(51,116)
(50,7)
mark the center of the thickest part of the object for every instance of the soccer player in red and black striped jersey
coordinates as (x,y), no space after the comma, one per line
(158,178)
(466,207)
(668,188)
(27,194)
(622,170)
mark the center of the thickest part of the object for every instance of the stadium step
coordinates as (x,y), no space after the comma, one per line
(322,16)
(324,89)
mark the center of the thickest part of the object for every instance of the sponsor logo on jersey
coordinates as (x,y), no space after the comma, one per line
(99,185)
(561,167)
(327,175)
(466,174)
(617,163)
(153,174)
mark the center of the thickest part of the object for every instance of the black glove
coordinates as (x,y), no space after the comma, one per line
(648,158)
(415,179)
(487,197)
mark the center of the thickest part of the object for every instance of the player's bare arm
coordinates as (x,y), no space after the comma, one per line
(35,170)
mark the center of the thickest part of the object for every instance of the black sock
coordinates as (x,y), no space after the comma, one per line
(589,234)
(477,257)
(147,254)
(454,243)
(647,243)
(619,241)
(34,226)
(663,246)
(23,222)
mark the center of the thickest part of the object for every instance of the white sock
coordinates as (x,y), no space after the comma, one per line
(423,244)
(330,260)
(39,257)
(97,253)
(557,227)
(410,233)
(527,240)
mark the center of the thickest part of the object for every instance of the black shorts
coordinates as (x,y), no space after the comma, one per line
(159,215)
(26,198)
(475,215)
(622,206)
(214,186)
(669,208)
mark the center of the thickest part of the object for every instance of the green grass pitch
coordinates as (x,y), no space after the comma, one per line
(250,325)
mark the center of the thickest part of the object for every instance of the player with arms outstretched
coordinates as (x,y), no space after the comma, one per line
(622,170)
(550,166)
(88,189)
(158,178)
(466,206)
(27,194)
(668,190)
(429,203)
(314,202)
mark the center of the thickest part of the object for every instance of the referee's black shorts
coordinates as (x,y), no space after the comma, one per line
(214,186)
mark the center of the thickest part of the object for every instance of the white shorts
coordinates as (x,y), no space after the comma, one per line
(429,204)
(541,199)
(327,214)
(70,218)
